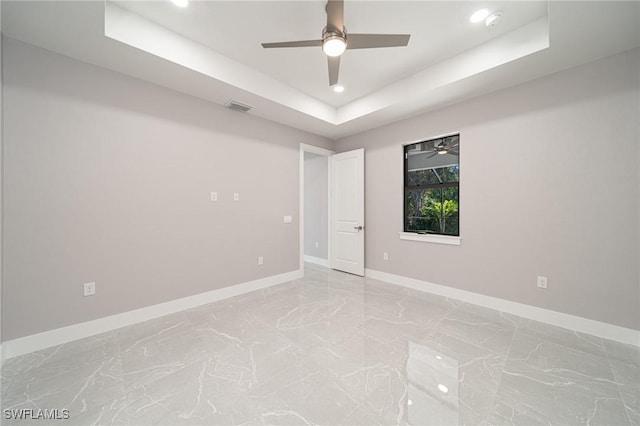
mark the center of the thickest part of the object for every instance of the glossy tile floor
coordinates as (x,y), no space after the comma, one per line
(332,349)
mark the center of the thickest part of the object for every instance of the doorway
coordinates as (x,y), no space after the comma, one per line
(332,209)
(315,199)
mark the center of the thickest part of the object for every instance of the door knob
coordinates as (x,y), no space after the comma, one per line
(359,228)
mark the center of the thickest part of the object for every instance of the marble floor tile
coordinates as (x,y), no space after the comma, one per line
(222,325)
(420,312)
(486,328)
(380,298)
(318,399)
(388,329)
(154,349)
(625,364)
(259,359)
(547,382)
(470,372)
(195,395)
(563,336)
(84,377)
(331,349)
(335,330)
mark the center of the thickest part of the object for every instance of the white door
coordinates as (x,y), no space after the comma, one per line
(347,212)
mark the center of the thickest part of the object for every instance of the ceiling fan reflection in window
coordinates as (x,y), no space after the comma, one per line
(335,39)
(447,145)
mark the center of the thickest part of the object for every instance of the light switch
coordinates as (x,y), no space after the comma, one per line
(288,219)
(214,196)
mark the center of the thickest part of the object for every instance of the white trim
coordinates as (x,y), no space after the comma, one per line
(430,238)
(35,342)
(329,207)
(301,210)
(572,322)
(327,153)
(316,260)
(316,150)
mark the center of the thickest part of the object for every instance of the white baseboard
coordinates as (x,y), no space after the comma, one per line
(572,322)
(316,260)
(35,342)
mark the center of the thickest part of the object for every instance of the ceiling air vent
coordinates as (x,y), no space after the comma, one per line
(237,106)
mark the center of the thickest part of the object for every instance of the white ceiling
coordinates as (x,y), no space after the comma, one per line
(212,50)
(235,29)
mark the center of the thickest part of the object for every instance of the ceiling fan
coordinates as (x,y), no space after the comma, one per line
(335,39)
(447,145)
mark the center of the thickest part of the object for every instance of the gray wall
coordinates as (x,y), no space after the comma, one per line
(108,179)
(549,186)
(316,204)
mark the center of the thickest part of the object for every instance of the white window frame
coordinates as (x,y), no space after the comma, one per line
(427,238)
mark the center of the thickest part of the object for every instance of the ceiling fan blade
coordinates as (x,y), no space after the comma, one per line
(368,41)
(300,43)
(335,16)
(334,69)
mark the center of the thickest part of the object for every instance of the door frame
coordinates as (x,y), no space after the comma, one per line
(325,153)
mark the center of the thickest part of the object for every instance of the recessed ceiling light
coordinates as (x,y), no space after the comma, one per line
(442,388)
(181,3)
(409,402)
(479,15)
(493,19)
(338,89)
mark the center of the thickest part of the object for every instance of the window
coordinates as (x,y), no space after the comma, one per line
(432,186)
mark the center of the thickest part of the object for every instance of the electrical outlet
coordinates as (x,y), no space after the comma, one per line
(260,260)
(288,219)
(317,244)
(236,196)
(89,289)
(214,196)
(385,255)
(542,282)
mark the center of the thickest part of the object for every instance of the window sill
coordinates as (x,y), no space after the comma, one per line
(430,238)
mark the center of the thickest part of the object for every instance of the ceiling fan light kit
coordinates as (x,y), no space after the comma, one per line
(334,44)
(334,40)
